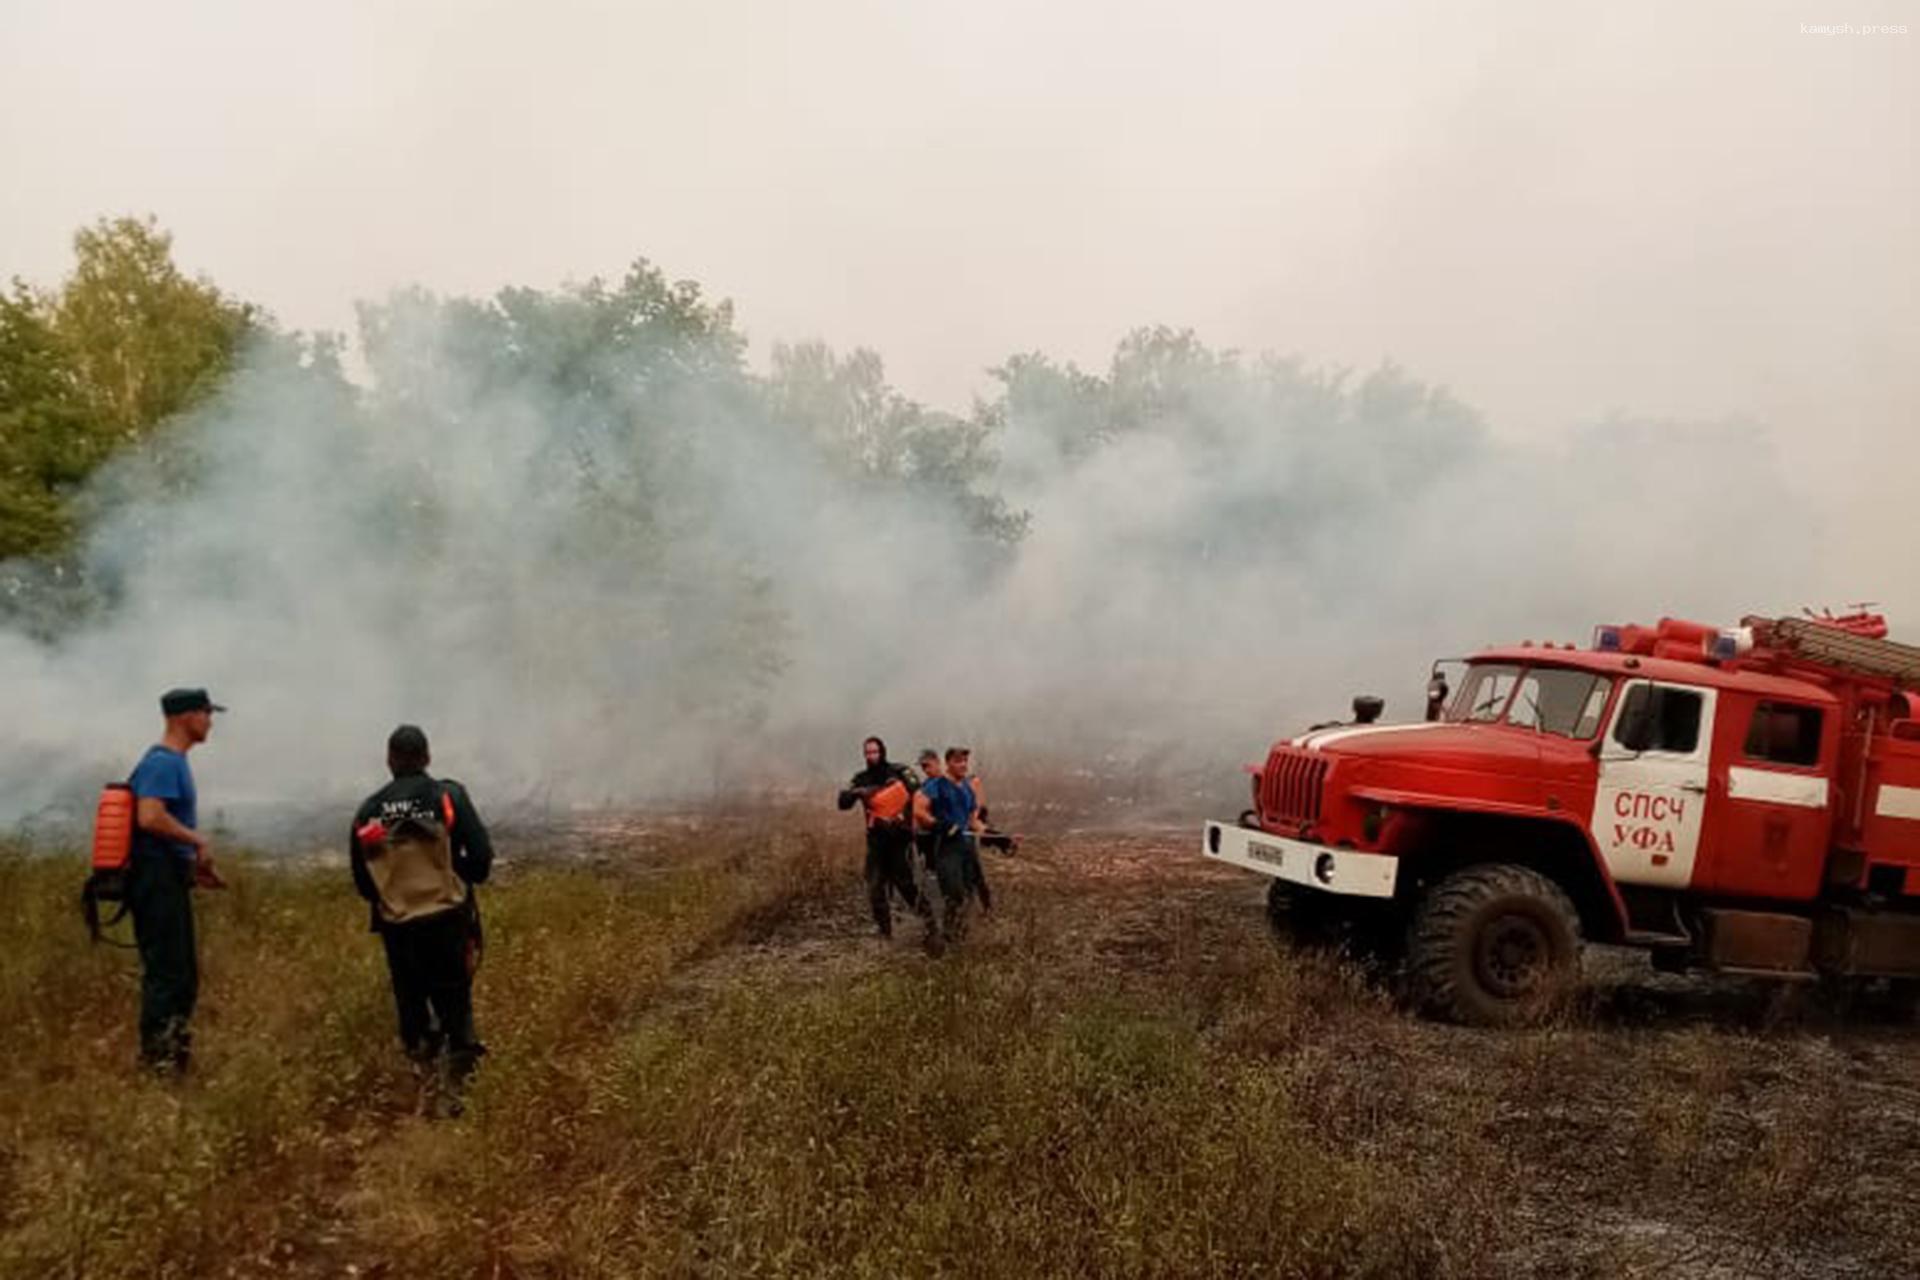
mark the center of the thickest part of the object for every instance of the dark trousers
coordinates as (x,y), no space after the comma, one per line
(950,856)
(888,849)
(977,874)
(433,988)
(160,897)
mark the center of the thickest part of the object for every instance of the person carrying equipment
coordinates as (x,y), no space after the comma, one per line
(959,763)
(167,859)
(924,827)
(417,848)
(986,835)
(950,811)
(926,838)
(884,791)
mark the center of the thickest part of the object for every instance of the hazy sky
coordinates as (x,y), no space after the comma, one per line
(1694,209)
(1687,210)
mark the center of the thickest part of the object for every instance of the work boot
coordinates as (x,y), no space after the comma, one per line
(456,1068)
(443,1100)
(423,1056)
(168,1054)
(165,1067)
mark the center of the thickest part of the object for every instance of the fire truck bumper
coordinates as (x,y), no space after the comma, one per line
(1343,871)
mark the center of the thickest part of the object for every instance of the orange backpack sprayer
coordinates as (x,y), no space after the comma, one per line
(113,828)
(113,823)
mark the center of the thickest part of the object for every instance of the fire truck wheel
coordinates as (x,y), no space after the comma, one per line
(1494,945)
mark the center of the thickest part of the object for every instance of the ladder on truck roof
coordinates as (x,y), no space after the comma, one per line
(1832,646)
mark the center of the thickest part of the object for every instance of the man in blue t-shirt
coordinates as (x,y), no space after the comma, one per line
(949,811)
(169,858)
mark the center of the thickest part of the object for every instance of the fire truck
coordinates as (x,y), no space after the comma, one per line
(1744,800)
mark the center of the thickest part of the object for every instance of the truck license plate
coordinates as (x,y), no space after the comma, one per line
(1266,853)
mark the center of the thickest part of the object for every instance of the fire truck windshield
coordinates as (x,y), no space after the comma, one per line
(1553,700)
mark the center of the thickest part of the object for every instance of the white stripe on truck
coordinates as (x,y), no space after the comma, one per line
(1326,737)
(1773,787)
(1898,802)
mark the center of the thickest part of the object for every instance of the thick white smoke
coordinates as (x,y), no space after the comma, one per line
(619,568)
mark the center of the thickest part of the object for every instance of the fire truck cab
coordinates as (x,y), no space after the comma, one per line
(1745,800)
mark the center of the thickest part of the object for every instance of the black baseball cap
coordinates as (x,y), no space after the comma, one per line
(177,702)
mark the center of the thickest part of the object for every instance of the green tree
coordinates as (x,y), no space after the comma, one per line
(870,431)
(45,446)
(90,369)
(600,406)
(1058,404)
(845,404)
(146,340)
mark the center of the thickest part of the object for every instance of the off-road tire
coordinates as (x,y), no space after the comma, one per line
(1494,945)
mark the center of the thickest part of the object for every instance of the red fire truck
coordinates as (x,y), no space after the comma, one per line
(1744,800)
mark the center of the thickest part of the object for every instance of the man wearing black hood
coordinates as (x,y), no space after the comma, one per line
(418,848)
(884,790)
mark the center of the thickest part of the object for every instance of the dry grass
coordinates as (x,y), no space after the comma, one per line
(701,1065)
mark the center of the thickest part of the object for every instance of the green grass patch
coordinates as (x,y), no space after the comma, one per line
(703,1065)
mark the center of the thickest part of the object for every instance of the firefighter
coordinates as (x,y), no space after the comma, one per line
(926,834)
(986,835)
(417,850)
(928,762)
(884,791)
(169,858)
(950,813)
(930,768)
(959,766)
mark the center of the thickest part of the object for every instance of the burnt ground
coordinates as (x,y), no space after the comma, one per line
(1675,1126)
(1671,1126)
(1667,1126)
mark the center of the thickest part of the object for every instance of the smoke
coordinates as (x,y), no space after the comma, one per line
(604,563)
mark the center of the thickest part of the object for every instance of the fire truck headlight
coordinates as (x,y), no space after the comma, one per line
(1323,868)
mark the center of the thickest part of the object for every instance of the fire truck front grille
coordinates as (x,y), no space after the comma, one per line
(1290,788)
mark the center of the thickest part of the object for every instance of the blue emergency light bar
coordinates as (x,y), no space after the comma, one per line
(1729,643)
